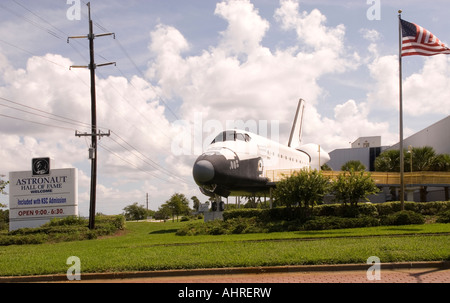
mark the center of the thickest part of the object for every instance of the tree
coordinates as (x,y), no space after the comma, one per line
(441,163)
(426,159)
(388,161)
(326,167)
(196,202)
(355,165)
(135,212)
(423,159)
(353,186)
(304,188)
(3,185)
(178,204)
(163,213)
(4,214)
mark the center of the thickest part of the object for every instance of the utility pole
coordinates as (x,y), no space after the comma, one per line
(93,149)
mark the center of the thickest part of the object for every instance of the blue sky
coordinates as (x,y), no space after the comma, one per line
(200,63)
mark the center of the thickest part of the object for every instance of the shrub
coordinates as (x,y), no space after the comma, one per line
(218,227)
(70,220)
(433,208)
(444,217)
(326,210)
(244,213)
(22,239)
(425,208)
(201,228)
(117,221)
(327,216)
(404,217)
(64,229)
(331,222)
(353,186)
(347,211)
(266,215)
(304,188)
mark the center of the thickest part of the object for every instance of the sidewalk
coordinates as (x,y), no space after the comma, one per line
(408,272)
(425,275)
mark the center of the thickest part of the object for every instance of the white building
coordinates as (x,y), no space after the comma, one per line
(436,135)
(374,141)
(366,149)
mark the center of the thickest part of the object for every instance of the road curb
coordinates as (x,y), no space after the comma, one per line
(225,271)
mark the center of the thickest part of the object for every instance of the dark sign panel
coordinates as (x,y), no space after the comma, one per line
(40,166)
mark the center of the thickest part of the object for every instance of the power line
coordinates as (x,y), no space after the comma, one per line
(136,109)
(144,78)
(130,163)
(78,123)
(28,112)
(54,31)
(43,20)
(46,29)
(132,149)
(35,122)
(65,119)
(30,53)
(140,73)
(146,159)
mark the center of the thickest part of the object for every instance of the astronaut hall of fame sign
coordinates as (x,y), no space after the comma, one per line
(39,195)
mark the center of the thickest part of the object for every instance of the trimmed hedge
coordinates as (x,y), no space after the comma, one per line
(346,211)
(424,208)
(322,217)
(253,225)
(444,217)
(338,210)
(323,223)
(404,217)
(218,227)
(66,229)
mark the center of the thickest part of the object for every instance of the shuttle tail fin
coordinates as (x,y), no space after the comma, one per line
(295,138)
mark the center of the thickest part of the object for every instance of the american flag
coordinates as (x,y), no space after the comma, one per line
(418,41)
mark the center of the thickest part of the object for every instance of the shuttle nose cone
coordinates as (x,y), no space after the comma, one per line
(203,171)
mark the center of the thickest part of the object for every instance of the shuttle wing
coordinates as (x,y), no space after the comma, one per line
(295,138)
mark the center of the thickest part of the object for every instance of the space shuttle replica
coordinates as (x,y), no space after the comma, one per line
(236,161)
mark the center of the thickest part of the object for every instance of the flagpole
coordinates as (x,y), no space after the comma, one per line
(402,183)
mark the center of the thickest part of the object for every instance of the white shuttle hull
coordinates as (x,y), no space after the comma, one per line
(236,162)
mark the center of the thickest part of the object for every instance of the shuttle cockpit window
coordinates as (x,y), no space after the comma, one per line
(224,136)
(219,138)
(240,137)
(231,135)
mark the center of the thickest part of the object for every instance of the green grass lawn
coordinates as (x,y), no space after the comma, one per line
(154,246)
